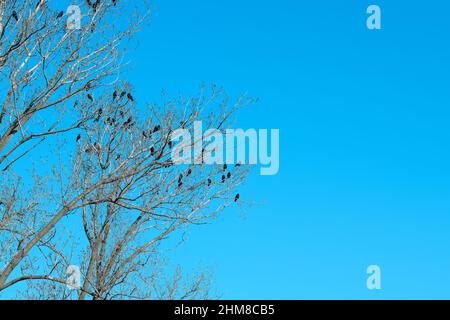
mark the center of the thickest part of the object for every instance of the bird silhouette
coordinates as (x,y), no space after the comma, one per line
(115,95)
(15,16)
(229,175)
(89,96)
(236,198)
(209,182)
(78,137)
(225,167)
(223,178)
(60,14)
(130,97)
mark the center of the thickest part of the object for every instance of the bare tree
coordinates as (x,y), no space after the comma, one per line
(110,175)
(131,196)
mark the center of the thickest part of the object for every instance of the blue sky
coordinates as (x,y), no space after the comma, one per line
(364,122)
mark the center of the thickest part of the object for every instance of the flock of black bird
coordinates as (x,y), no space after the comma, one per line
(92,4)
(111,121)
(209,181)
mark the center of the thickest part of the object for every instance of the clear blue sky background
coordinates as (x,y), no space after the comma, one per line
(364,119)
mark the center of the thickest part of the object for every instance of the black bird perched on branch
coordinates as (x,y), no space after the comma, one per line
(189,172)
(15,16)
(225,167)
(209,182)
(115,95)
(89,96)
(60,15)
(223,178)
(157,128)
(229,175)
(123,94)
(78,137)
(130,97)
(95,5)
(236,198)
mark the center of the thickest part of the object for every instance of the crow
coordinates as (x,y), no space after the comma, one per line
(130,97)
(123,94)
(236,198)
(223,178)
(78,137)
(89,96)
(60,15)
(209,182)
(15,16)
(114,95)
(225,167)
(229,175)
(189,172)
(152,151)
(95,5)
